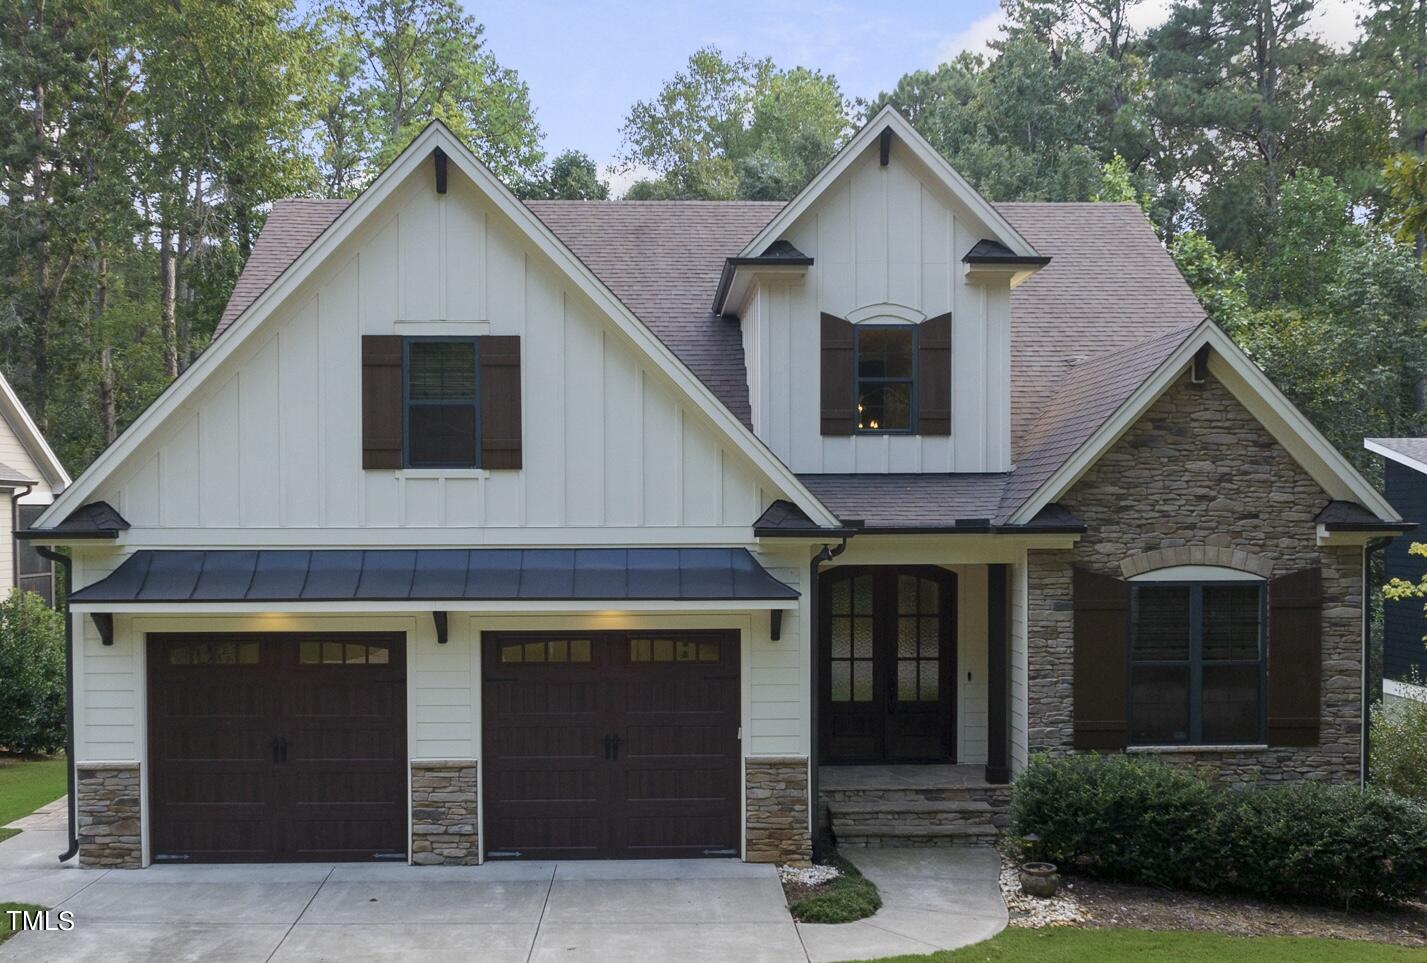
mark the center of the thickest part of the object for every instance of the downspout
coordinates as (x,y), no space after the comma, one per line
(15,496)
(1373,545)
(815,663)
(66,563)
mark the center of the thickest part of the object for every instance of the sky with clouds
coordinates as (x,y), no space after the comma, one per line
(586,63)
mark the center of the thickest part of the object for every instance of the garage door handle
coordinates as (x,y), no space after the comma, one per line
(282,741)
(277,749)
(615,742)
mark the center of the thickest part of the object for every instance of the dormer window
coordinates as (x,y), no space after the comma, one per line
(886,377)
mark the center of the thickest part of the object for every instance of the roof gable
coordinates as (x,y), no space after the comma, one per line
(251,317)
(32,442)
(885,127)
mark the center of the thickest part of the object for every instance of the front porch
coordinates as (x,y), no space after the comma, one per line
(910,805)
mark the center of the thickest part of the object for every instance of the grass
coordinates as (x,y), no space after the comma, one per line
(1069,945)
(5,931)
(27,784)
(851,896)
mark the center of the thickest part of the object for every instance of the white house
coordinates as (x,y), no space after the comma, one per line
(30,478)
(491,530)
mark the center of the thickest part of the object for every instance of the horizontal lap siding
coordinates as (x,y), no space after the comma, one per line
(109,685)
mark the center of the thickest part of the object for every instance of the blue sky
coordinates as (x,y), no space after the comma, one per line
(587,62)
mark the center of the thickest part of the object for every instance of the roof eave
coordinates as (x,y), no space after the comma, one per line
(732,284)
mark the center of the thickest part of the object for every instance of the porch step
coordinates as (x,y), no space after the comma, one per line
(902,834)
(908,806)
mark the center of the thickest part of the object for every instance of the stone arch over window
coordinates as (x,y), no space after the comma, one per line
(1214,555)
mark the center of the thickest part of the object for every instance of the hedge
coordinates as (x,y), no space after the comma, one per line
(32,713)
(1120,818)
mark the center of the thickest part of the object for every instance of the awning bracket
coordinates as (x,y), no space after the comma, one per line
(104,622)
(442,630)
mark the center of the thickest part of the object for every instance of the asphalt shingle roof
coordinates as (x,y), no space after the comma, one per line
(1086,330)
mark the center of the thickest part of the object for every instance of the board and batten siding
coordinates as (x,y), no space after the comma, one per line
(273,440)
(887,244)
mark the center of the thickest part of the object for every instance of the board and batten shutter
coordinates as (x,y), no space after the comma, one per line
(1295,657)
(839,386)
(381,401)
(1099,688)
(500,401)
(934,376)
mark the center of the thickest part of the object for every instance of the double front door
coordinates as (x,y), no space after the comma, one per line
(887,649)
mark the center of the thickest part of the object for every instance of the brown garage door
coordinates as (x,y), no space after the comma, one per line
(277,747)
(611,745)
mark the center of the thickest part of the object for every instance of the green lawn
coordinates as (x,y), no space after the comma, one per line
(5,931)
(27,784)
(1070,945)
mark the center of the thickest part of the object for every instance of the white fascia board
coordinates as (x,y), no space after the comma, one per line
(558,606)
(1253,389)
(417,152)
(29,434)
(924,151)
(1372,445)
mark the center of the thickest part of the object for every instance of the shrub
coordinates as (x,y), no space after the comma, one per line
(1145,822)
(1397,755)
(32,716)
(849,897)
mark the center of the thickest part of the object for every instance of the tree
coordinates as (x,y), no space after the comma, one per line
(736,128)
(571,176)
(32,680)
(1406,178)
(390,67)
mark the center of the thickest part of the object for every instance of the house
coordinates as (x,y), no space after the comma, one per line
(30,478)
(488,530)
(1404,482)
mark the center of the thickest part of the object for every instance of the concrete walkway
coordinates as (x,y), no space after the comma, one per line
(934,898)
(691,910)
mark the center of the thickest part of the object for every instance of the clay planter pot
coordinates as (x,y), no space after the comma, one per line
(1039,879)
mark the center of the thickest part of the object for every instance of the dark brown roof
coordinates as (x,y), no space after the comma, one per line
(663,259)
(292,225)
(1085,330)
(1412,449)
(1340,516)
(92,520)
(908,501)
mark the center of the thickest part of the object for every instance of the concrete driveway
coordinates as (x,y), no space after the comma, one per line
(690,910)
(650,909)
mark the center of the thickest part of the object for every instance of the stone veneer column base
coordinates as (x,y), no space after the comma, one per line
(444,795)
(110,820)
(777,829)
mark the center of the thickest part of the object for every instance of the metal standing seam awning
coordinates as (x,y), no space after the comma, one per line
(578,579)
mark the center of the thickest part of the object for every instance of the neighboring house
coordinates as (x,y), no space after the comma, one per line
(1404,625)
(495,530)
(30,478)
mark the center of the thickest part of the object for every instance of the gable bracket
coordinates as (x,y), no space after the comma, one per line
(104,622)
(884,144)
(439,156)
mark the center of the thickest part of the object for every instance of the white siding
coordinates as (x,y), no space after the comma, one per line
(1020,668)
(887,244)
(273,441)
(109,679)
(971,657)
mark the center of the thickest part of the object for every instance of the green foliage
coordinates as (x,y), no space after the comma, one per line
(1073,944)
(571,176)
(1406,179)
(1145,822)
(32,687)
(850,897)
(722,128)
(1398,745)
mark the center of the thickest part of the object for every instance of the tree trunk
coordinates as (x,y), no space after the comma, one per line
(168,292)
(98,305)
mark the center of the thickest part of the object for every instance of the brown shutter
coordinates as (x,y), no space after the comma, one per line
(381,401)
(1295,657)
(839,389)
(934,376)
(1101,643)
(500,401)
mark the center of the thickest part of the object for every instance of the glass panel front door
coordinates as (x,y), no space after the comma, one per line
(887,647)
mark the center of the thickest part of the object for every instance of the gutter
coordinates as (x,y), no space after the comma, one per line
(1372,546)
(67,564)
(814,663)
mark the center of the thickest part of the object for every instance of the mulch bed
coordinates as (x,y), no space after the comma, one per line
(1120,905)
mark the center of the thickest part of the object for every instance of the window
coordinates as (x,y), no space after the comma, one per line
(851,629)
(36,573)
(673,650)
(1196,663)
(214,653)
(441,401)
(546,650)
(886,364)
(342,653)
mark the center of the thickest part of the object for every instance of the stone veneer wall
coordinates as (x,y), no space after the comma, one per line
(110,820)
(777,828)
(1197,480)
(444,796)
